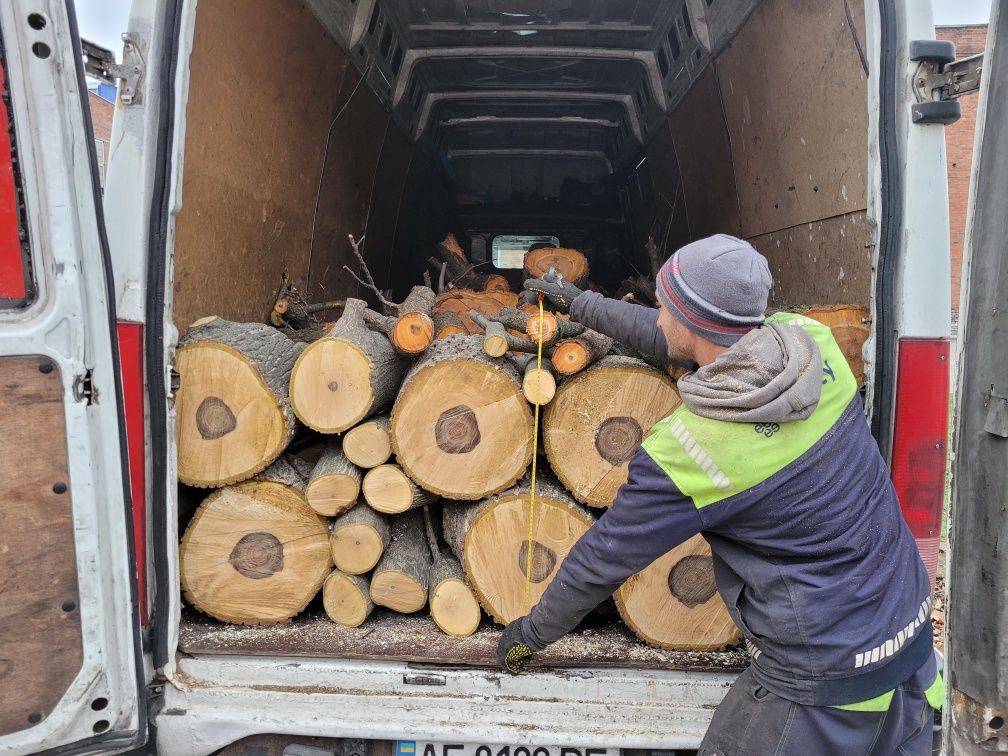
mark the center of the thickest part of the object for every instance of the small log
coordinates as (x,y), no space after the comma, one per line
(538,383)
(598,419)
(514,318)
(351,373)
(497,341)
(388,489)
(448,324)
(254,553)
(358,540)
(569,263)
(554,328)
(453,606)
(496,282)
(369,444)
(414,328)
(234,410)
(347,599)
(573,355)
(401,578)
(335,482)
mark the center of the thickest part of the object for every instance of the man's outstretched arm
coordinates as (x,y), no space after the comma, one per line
(633,324)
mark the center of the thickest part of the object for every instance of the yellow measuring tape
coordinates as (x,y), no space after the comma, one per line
(535,443)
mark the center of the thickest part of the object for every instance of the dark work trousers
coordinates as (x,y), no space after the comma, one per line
(753,721)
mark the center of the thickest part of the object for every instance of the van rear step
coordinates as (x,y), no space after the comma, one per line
(415,638)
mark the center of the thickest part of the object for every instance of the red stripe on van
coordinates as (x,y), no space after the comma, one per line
(131,342)
(12,277)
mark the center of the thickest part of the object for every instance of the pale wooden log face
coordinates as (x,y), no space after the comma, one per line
(596,422)
(356,549)
(368,445)
(398,591)
(674,604)
(495,551)
(570,263)
(254,552)
(463,429)
(387,489)
(455,609)
(230,424)
(332,494)
(343,600)
(330,387)
(539,384)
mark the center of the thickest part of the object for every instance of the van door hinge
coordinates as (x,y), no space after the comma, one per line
(940,80)
(100,62)
(83,389)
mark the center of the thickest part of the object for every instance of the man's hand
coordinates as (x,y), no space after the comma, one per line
(559,292)
(512,651)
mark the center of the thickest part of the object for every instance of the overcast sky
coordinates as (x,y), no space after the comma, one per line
(102,21)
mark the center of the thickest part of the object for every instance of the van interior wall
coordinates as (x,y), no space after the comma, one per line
(770,144)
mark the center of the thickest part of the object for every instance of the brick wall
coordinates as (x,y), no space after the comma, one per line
(101,120)
(969,40)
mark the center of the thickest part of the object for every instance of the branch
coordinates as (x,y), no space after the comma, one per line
(369,283)
(432,540)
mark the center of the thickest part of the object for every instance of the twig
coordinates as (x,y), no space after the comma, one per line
(369,283)
(441,277)
(427,279)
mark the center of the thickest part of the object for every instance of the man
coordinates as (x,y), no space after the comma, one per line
(770,458)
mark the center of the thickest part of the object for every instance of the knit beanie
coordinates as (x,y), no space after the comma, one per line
(717,287)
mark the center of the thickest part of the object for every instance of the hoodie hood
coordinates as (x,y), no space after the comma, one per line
(773,374)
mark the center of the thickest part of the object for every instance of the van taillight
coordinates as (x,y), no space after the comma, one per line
(920,436)
(131,362)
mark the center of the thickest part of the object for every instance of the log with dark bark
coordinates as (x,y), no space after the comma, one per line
(674,602)
(573,355)
(400,579)
(358,539)
(288,470)
(234,411)
(347,598)
(491,540)
(368,445)
(254,553)
(447,323)
(351,373)
(389,490)
(497,340)
(412,330)
(553,328)
(569,263)
(597,420)
(453,605)
(335,482)
(461,427)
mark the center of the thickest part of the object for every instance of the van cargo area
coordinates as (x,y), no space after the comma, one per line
(603,123)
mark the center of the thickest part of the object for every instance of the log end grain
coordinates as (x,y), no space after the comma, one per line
(330,385)
(346,599)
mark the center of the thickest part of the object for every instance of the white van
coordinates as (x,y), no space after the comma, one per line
(250,138)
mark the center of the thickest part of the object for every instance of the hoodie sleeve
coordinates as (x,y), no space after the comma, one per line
(632,324)
(649,518)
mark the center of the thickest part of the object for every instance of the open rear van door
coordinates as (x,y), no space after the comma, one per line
(71,673)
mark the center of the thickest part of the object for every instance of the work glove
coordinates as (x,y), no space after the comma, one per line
(512,650)
(560,293)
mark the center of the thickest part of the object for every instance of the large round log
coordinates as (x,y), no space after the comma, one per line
(358,539)
(597,420)
(347,375)
(674,603)
(346,599)
(461,427)
(491,541)
(570,263)
(234,414)
(851,326)
(254,553)
(335,482)
(369,444)
(400,579)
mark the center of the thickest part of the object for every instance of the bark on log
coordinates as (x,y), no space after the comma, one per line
(358,540)
(453,605)
(538,383)
(347,598)
(461,427)
(674,603)
(400,580)
(234,412)
(569,263)
(288,471)
(335,482)
(389,490)
(346,376)
(448,323)
(491,541)
(573,355)
(597,420)
(414,328)
(369,444)
(254,553)
(497,340)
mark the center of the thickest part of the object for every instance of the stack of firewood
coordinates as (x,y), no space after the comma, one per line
(416,491)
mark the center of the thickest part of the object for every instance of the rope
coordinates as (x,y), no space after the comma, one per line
(535,440)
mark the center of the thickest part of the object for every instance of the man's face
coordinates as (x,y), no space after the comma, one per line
(679,340)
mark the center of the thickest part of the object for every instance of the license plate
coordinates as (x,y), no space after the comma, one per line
(424,748)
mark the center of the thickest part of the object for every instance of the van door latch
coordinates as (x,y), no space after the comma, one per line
(83,388)
(940,80)
(100,62)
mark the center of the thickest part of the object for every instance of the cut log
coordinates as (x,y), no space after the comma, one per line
(497,340)
(674,602)
(335,482)
(569,263)
(358,540)
(346,376)
(573,355)
(554,328)
(254,553)
(538,383)
(400,580)
(453,605)
(851,326)
(387,489)
(347,599)
(491,541)
(461,427)
(597,420)
(414,328)
(234,414)
(368,445)
(496,282)
(461,301)
(448,323)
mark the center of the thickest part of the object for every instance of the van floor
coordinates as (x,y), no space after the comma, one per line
(388,636)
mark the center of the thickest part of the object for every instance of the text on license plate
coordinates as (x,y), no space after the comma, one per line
(424,748)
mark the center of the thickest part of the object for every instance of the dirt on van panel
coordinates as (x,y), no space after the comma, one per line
(388,636)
